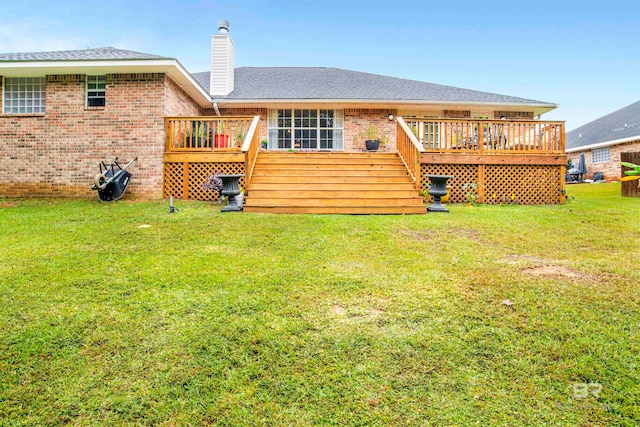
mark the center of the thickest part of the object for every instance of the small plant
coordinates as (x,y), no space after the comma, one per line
(472,190)
(506,200)
(569,164)
(372,133)
(220,128)
(633,174)
(241,136)
(214,183)
(264,143)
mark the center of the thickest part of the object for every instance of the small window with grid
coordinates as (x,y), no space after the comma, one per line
(96,92)
(600,155)
(24,95)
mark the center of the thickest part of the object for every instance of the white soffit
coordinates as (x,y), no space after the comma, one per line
(171,67)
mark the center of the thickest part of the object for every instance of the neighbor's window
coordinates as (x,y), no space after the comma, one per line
(96,91)
(305,129)
(24,95)
(599,155)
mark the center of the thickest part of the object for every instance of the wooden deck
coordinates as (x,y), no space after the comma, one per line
(516,160)
(332,183)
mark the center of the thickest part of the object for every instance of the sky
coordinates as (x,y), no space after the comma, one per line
(582,55)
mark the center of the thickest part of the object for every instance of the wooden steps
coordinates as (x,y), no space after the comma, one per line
(332,183)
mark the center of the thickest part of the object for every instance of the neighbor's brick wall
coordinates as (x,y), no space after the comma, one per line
(57,153)
(611,170)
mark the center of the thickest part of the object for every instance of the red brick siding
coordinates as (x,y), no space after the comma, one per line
(178,103)
(262,112)
(611,169)
(58,153)
(357,120)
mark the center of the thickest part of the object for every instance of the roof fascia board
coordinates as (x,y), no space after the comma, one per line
(603,144)
(172,67)
(223,101)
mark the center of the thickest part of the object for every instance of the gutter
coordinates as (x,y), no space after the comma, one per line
(603,144)
(377,101)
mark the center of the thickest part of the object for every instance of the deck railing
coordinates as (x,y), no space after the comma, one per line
(206,133)
(409,149)
(488,136)
(251,147)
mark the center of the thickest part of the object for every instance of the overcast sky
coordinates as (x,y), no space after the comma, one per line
(583,55)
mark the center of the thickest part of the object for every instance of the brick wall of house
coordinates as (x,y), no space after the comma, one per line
(611,169)
(57,153)
(262,112)
(178,103)
(355,121)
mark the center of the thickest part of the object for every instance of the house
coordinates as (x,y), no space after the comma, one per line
(63,112)
(603,140)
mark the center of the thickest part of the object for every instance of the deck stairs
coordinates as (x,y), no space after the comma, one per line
(332,183)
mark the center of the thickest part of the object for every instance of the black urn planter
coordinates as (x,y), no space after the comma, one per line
(231,189)
(372,145)
(437,189)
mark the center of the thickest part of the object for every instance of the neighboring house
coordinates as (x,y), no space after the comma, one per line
(603,139)
(63,112)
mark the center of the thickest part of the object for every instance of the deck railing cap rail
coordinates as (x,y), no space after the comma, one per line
(200,118)
(252,130)
(410,134)
(437,119)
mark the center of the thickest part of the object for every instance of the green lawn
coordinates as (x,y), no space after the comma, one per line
(206,318)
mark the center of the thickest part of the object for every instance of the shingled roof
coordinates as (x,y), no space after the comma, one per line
(253,83)
(619,125)
(96,54)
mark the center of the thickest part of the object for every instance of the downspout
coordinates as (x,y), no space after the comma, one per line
(215,108)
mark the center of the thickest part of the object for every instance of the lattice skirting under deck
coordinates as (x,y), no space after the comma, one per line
(528,184)
(185,180)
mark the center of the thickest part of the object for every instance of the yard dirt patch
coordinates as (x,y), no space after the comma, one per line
(553,270)
(440,234)
(540,267)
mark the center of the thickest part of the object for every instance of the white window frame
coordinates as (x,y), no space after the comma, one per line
(601,155)
(275,127)
(95,88)
(24,95)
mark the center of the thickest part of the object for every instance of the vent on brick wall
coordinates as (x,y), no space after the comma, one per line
(367,111)
(515,115)
(65,78)
(456,114)
(134,76)
(242,111)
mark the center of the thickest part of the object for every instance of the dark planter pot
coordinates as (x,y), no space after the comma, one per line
(372,145)
(231,189)
(437,189)
(195,141)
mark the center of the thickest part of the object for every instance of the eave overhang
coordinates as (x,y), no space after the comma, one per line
(171,67)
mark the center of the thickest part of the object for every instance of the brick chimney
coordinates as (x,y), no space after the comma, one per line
(222,64)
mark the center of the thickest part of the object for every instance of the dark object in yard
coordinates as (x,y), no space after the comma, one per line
(112,181)
(573,176)
(437,189)
(231,189)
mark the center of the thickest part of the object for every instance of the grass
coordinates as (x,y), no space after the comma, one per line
(206,318)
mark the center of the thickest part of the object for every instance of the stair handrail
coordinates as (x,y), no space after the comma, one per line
(251,148)
(409,149)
